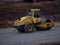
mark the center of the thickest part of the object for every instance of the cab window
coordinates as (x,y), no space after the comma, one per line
(29,13)
(37,14)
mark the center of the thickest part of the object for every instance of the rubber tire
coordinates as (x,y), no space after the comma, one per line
(26,27)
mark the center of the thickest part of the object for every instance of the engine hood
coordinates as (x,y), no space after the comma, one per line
(23,21)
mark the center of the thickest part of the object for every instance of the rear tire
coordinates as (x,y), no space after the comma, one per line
(29,27)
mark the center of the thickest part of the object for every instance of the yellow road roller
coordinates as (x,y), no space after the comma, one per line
(33,22)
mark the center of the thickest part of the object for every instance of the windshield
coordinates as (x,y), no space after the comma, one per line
(36,13)
(29,13)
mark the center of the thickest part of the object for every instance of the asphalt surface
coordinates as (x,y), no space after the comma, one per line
(10,36)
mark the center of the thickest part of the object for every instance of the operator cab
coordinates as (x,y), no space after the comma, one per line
(34,12)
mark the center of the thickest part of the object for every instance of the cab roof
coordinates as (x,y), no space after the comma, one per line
(35,9)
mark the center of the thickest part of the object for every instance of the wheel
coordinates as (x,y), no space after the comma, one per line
(29,27)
